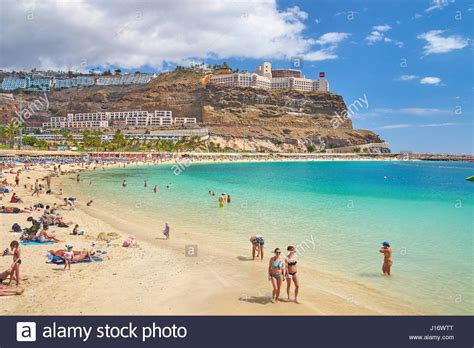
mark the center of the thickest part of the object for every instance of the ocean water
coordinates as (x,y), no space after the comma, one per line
(337,213)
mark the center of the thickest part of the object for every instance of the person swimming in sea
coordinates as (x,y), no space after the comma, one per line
(276,274)
(155,189)
(221,200)
(124,183)
(387,258)
(291,272)
(145,184)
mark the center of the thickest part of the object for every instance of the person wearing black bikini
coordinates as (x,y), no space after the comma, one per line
(292,275)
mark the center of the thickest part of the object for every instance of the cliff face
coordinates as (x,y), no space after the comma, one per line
(242,118)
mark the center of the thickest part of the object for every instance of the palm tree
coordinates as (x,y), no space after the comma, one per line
(11,131)
(67,135)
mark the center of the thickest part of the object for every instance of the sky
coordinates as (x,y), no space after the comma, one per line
(411,60)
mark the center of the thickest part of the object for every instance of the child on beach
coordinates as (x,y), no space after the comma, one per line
(15,270)
(387,257)
(167,230)
(68,255)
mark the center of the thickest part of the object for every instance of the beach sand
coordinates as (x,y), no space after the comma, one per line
(155,277)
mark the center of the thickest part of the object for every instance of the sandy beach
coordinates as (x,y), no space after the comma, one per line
(155,277)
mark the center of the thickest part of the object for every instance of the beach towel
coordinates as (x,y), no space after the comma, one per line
(6,212)
(35,242)
(60,261)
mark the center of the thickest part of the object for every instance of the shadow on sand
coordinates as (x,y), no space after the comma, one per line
(244,258)
(256,299)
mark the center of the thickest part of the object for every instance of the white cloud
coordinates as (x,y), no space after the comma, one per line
(378,34)
(383,27)
(374,37)
(395,126)
(408,125)
(421,111)
(74,34)
(328,43)
(408,77)
(430,80)
(332,38)
(414,111)
(439,44)
(438,5)
(399,44)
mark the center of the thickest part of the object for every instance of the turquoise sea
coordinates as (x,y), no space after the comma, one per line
(337,212)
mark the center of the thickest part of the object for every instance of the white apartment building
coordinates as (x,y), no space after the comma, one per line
(262,78)
(133,118)
(123,115)
(321,85)
(184,120)
(242,80)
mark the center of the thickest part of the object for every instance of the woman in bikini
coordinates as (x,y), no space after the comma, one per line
(291,273)
(276,272)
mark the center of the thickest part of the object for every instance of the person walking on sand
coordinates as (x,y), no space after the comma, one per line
(257,246)
(17,179)
(291,272)
(167,230)
(48,181)
(276,272)
(387,257)
(37,188)
(78,178)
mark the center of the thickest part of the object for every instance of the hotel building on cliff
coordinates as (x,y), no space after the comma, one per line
(268,78)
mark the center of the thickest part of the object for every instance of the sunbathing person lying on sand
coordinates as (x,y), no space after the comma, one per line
(78,255)
(12,210)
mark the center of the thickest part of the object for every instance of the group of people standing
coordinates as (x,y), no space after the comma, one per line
(280,268)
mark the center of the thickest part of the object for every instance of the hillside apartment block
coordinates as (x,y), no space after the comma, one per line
(268,78)
(134,118)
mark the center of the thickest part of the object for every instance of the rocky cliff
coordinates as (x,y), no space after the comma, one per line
(238,118)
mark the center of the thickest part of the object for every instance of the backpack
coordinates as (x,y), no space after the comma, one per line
(16,227)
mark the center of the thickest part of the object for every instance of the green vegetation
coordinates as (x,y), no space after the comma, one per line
(8,133)
(310,148)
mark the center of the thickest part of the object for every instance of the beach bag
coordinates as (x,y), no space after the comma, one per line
(16,228)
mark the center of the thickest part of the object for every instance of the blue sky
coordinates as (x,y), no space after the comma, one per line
(410,115)
(412,60)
